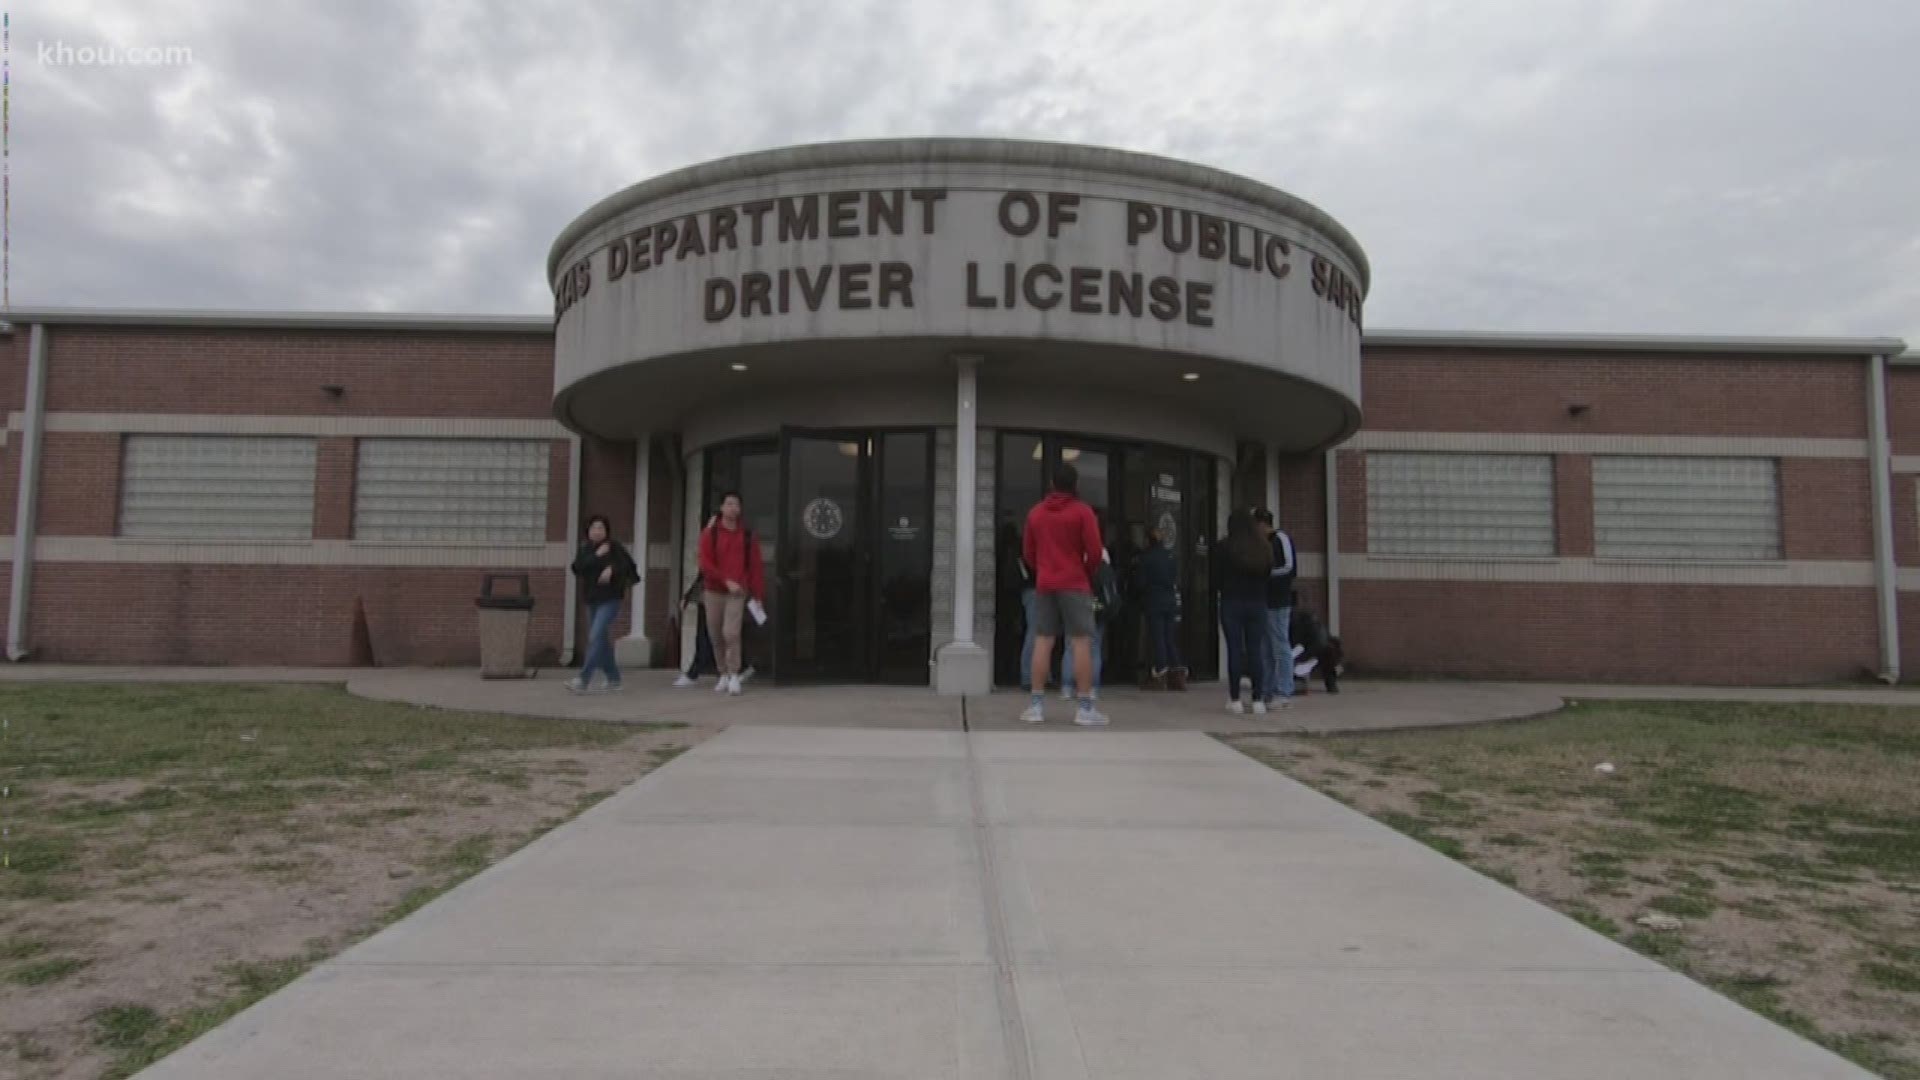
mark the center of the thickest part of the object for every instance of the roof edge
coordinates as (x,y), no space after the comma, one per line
(295,320)
(1702,343)
(949,151)
(1894,348)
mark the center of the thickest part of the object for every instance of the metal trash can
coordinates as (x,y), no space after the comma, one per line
(504,619)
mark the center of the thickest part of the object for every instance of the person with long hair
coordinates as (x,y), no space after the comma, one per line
(1242,564)
(606,571)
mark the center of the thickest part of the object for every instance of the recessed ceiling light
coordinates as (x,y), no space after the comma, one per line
(1191,376)
(739,367)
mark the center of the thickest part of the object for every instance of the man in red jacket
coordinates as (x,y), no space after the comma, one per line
(732,574)
(1063,545)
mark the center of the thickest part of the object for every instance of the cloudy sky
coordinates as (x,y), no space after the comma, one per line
(1710,166)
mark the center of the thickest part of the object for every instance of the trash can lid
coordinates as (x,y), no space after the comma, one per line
(505,603)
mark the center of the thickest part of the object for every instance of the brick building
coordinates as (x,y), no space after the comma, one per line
(328,489)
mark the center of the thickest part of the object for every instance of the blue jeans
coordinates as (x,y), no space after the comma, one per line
(1164,638)
(1245,624)
(1280,652)
(1099,661)
(600,642)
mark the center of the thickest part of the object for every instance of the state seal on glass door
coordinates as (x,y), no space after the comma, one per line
(822,519)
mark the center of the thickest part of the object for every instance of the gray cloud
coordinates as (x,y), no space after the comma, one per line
(1639,165)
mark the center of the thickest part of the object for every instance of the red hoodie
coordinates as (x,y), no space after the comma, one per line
(725,555)
(1062,544)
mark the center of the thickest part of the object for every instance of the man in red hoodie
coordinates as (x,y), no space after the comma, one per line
(731,573)
(1063,545)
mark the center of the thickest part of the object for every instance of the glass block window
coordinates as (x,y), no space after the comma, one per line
(217,487)
(452,490)
(1460,504)
(1717,508)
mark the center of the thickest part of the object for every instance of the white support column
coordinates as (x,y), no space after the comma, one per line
(634,650)
(962,666)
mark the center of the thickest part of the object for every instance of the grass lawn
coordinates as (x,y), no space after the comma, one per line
(175,853)
(1785,838)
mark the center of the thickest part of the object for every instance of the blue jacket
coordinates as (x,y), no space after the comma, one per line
(1158,576)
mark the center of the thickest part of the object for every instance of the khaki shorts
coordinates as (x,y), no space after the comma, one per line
(1068,613)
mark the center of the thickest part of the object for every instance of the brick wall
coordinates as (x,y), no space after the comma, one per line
(1612,632)
(1625,394)
(79,484)
(233,614)
(1573,505)
(1620,631)
(297,615)
(281,372)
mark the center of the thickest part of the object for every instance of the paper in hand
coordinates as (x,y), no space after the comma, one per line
(758,611)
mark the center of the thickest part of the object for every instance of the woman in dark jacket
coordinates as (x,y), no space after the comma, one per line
(1241,564)
(1158,578)
(605,571)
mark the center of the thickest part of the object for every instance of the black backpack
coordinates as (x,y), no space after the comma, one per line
(1106,592)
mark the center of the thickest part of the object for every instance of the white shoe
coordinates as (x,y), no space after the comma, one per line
(685,681)
(1259,708)
(743,676)
(1034,715)
(720,684)
(733,686)
(1066,693)
(578,686)
(1236,708)
(1086,717)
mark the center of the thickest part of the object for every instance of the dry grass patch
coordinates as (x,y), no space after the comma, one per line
(1785,838)
(178,852)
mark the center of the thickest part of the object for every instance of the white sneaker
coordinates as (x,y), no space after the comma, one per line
(720,684)
(733,686)
(743,676)
(1034,715)
(1259,708)
(1066,693)
(578,686)
(1236,708)
(1086,717)
(685,681)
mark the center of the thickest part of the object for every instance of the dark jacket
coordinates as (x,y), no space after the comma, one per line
(1158,576)
(588,564)
(1285,569)
(1237,583)
(1305,631)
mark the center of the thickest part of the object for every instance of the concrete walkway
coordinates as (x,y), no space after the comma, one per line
(1362,706)
(650,696)
(1046,904)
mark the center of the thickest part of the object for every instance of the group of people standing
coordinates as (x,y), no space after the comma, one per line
(732,582)
(1069,590)
(1254,568)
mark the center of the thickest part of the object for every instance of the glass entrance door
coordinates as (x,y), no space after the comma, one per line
(903,607)
(825,562)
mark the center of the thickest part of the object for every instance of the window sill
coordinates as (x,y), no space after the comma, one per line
(1539,560)
(523,545)
(1739,564)
(229,541)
